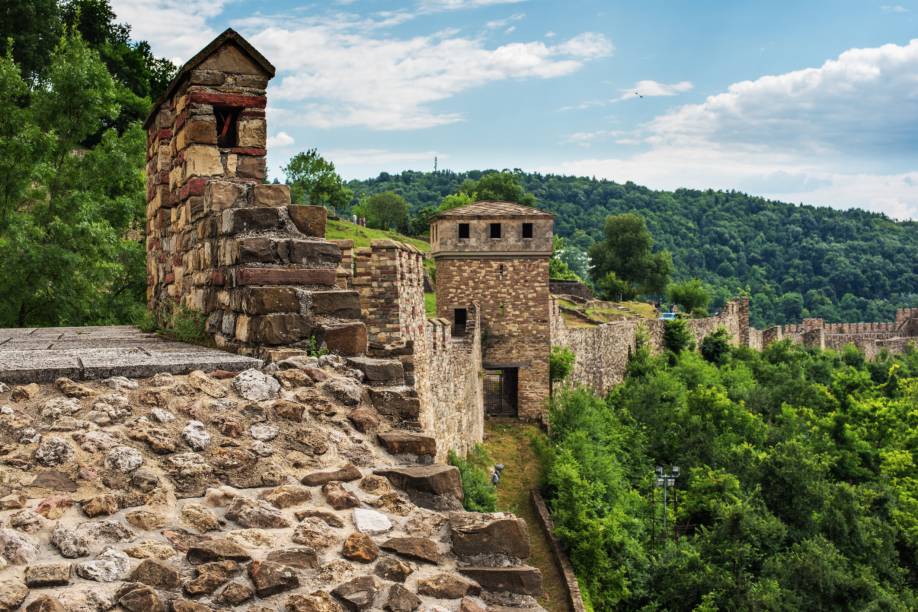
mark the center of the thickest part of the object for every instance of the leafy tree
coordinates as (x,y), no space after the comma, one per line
(455,200)
(627,251)
(691,295)
(557,267)
(614,289)
(677,337)
(29,29)
(715,347)
(386,210)
(498,186)
(313,180)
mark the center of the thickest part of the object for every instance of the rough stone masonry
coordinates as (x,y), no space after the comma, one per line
(219,240)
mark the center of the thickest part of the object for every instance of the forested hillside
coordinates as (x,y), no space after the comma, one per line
(795,489)
(795,261)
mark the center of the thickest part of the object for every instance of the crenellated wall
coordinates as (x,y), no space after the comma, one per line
(870,338)
(602,352)
(446,366)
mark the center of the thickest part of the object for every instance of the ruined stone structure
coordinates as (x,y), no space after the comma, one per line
(870,338)
(496,254)
(221,242)
(441,367)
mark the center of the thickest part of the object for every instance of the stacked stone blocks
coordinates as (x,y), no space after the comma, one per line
(221,242)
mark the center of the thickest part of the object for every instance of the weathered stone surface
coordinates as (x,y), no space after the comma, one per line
(110,565)
(379,371)
(419,549)
(286,409)
(199,517)
(183,605)
(100,505)
(345,391)
(365,420)
(255,386)
(73,389)
(357,594)
(123,459)
(156,574)
(255,513)
(313,533)
(447,586)
(141,599)
(473,534)
(204,383)
(235,593)
(338,497)
(319,601)
(310,220)
(524,580)
(371,522)
(432,486)
(285,496)
(344,474)
(211,576)
(53,452)
(300,558)
(12,593)
(403,442)
(146,520)
(195,436)
(272,578)
(17,548)
(329,518)
(271,195)
(469,604)
(395,570)
(216,550)
(45,603)
(47,575)
(359,547)
(240,220)
(401,599)
(54,480)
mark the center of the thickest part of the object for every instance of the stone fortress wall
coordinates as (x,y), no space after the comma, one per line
(602,352)
(221,242)
(443,368)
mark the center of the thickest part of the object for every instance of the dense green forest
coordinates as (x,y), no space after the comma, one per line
(794,261)
(797,488)
(74,88)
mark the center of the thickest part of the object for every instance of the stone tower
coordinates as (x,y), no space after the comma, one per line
(219,240)
(495,255)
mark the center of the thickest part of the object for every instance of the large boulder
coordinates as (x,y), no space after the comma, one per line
(436,487)
(476,534)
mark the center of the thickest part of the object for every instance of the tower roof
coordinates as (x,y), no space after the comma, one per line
(490,209)
(228,37)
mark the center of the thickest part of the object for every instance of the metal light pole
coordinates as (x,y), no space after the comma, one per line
(666,481)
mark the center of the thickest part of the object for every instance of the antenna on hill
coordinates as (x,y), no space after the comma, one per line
(435,163)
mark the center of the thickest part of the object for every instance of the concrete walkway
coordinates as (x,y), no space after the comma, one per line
(46,353)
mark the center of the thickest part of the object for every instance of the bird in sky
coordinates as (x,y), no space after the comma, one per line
(638,94)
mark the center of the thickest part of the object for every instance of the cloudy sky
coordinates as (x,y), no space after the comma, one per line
(810,101)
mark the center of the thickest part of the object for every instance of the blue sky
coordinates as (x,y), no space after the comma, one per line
(808,101)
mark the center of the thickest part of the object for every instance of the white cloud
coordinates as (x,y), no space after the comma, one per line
(176,29)
(893,8)
(378,157)
(654,89)
(339,74)
(817,135)
(497,24)
(455,5)
(281,139)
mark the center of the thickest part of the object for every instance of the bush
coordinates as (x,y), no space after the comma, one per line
(677,337)
(716,346)
(187,325)
(560,363)
(479,494)
(691,295)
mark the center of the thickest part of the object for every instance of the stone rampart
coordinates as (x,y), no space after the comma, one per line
(446,363)
(602,352)
(869,338)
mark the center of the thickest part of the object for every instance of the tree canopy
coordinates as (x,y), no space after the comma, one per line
(313,180)
(626,251)
(385,210)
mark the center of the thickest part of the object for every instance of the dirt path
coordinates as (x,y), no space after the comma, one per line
(509,442)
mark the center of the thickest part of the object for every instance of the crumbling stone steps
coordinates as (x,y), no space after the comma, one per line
(522,580)
(379,372)
(408,443)
(399,404)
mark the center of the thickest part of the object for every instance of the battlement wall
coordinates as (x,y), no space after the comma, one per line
(870,338)
(446,362)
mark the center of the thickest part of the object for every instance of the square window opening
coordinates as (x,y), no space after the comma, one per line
(463,231)
(527,230)
(495,230)
(227,125)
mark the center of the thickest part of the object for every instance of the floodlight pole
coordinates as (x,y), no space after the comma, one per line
(665,481)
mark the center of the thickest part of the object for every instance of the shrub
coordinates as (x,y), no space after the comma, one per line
(560,363)
(677,337)
(691,295)
(479,494)
(716,346)
(187,325)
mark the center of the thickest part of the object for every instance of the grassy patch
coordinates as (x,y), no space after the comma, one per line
(363,236)
(510,443)
(430,304)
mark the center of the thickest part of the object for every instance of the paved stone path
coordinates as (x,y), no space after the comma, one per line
(44,354)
